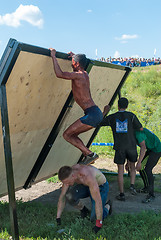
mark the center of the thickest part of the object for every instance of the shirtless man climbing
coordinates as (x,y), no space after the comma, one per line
(80,181)
(82,95)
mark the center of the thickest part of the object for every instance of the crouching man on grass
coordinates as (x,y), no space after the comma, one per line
(81,181)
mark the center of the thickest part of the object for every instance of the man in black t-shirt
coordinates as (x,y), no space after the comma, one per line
(123,124)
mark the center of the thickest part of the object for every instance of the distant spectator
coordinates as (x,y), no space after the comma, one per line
(132,62)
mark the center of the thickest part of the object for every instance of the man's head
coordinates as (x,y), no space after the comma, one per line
(79,59)
(123,103)
(66,175)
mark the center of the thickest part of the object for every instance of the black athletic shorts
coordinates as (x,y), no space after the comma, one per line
(121,156)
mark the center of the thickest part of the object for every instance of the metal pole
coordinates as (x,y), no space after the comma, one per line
(8,162)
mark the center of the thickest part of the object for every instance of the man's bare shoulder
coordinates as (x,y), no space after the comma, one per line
(82,169)
(80,75)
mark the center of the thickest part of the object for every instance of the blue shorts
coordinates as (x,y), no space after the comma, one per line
(80,191)
(93,116)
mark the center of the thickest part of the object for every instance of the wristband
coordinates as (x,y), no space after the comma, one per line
(99,223)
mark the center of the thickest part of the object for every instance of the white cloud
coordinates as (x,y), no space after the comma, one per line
(28,13)
(126,37)
(116,54)
(89,10)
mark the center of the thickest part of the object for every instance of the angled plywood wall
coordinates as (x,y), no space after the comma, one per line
(35,99)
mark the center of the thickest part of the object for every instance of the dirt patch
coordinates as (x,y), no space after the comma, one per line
(49,192)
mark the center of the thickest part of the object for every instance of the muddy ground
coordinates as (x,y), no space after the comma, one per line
(49,192)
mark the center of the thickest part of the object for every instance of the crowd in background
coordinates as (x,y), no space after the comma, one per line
(132,62)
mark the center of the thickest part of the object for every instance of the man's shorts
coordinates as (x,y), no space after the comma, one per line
(93,116)
(122,155)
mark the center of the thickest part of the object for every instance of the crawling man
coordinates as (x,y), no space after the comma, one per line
(82,181)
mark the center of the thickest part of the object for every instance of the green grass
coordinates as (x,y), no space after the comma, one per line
(53,179)
(37,221)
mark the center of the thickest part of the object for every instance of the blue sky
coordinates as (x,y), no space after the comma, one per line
(115,28)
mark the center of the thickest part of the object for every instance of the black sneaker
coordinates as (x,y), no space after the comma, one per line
(133,191)
(148,199)
(120,197)
(89,159)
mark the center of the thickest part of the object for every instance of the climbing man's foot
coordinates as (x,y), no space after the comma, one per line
(89,159)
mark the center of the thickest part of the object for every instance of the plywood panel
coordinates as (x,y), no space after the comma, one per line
(35,99)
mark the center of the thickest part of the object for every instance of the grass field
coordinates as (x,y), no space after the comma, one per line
(37,221)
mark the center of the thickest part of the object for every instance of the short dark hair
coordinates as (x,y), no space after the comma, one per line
(81,58)
(123,103)
(64,172)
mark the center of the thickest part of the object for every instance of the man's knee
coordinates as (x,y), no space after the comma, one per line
(132,166)
(71,199)
(67,135)
(120,168)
